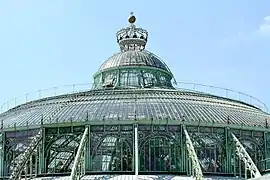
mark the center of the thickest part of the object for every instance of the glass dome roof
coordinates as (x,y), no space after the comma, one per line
(134,58)
(133,67)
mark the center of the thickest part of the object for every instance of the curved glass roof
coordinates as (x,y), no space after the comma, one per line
(134,58)
(129,105)
(133,69)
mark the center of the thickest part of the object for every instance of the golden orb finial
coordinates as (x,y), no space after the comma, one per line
(131,18)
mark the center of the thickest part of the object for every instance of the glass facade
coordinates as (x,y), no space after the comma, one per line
(161,149)
(133,121)
(133,78)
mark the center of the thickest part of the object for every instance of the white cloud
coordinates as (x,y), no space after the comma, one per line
(261,32)
(264,28)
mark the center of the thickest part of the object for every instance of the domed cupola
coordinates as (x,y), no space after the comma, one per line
(133,67)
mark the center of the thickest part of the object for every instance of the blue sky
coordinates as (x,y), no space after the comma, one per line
(58,42)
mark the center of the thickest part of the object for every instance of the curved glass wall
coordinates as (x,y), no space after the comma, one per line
(162,149)
(133,78)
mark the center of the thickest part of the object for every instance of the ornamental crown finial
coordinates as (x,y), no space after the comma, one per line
(131,37)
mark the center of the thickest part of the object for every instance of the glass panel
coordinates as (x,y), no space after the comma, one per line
(113,154)
(149,79)
(60,155)
(160,154)
(254,147)
(16,144)
(267,161)
(211,150)
(109,79)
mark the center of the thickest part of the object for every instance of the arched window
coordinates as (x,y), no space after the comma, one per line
(61,153)
(109,79)
(149,79)
(16,144)
(14,152)
(112,154)
(211,151)
(255,151)
(160,154)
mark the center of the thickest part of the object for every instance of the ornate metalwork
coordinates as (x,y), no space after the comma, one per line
(132,38)
(78,169)
(16,143)
(136,149)
(210,147)
(139,68)
(137,122)
(22,160)
(267,150)
(61,148)
(196,168)
(244,156)
(160,148)
(111,148)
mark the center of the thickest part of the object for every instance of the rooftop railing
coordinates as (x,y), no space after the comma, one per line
(44,93)
(185,86)
(223,92)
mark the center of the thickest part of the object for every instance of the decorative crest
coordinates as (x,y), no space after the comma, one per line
(131,37)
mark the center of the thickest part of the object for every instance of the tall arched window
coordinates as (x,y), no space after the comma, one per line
(160,154)
(112,154)
(254,148)
(211,154)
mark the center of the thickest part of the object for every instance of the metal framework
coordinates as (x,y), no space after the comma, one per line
(78,169)
(134,149)
(195,165)
(21,162)
(63,105)
(244,156)
(181,85)
(134,121)
(163,105)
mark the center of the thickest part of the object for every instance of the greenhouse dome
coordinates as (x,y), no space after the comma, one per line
(135,122)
